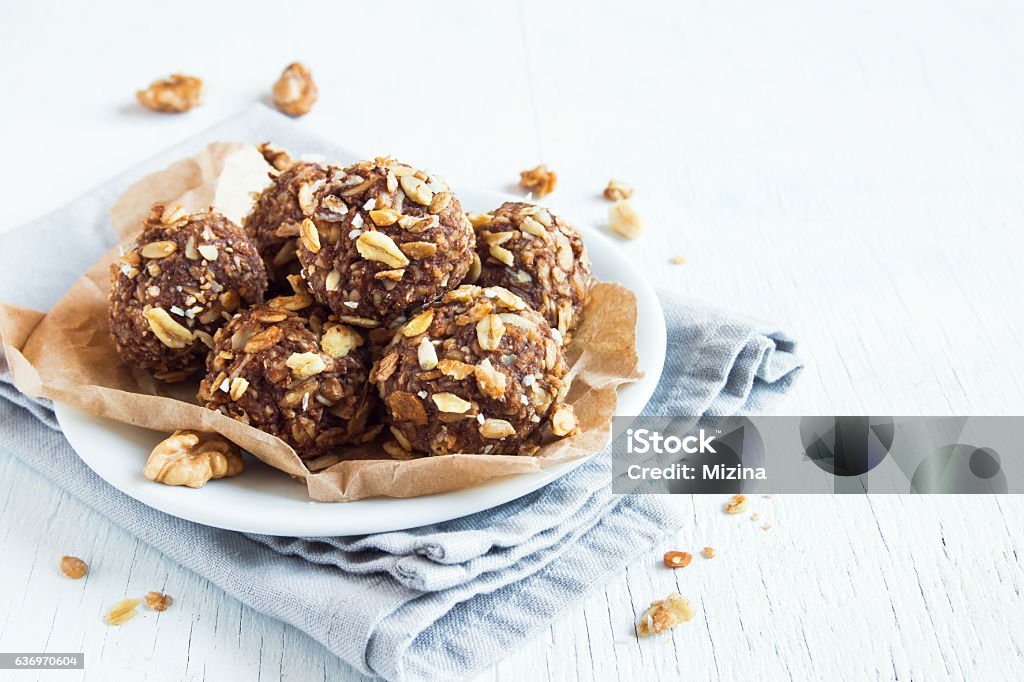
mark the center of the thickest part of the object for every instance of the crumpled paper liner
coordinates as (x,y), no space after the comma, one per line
(67,355)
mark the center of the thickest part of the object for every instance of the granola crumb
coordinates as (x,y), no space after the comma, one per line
(676,559)
(123,612)
(664,614)
(736,504)
(709,552)
(158,601)
(540,181)
(767,526)
(767,497)
(677,260)
(756,516)
(617,189)
(73,567)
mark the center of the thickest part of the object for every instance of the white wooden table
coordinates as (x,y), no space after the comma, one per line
(851,170)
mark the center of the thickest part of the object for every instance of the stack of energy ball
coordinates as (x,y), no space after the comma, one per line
(361,298)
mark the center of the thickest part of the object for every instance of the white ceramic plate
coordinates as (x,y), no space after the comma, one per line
(263,500)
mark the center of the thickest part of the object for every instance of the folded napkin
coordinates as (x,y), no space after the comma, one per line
(436,602)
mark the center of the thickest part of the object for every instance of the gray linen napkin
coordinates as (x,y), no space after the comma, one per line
(719,365)
(436,602)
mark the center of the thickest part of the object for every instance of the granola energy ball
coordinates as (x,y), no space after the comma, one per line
(291,373)
(176,285)
(478,372)
(533,253)
(273,224)
(384,238)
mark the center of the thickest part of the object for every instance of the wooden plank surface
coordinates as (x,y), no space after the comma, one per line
(849,170)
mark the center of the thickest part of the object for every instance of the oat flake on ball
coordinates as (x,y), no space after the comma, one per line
(382,239)
(533,253)
(288,369)
(181,279)
(478,372)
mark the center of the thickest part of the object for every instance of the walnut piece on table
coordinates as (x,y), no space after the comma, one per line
(664,614)
(675,559)
(173,95)
(540,181)
(73,567)
(158,601)
(617,190)
(189,459)
(295,93)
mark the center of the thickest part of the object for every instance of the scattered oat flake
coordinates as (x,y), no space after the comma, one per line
(766,526)
(158,601)
(767,497)
(676,559)
(736,504)
(756,516)
(624,220)
(73,567)
(709,552)
(677,260)
(123,612)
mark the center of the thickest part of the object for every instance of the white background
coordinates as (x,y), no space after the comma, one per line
(850,170)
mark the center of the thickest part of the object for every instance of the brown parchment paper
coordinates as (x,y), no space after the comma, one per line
(67,355)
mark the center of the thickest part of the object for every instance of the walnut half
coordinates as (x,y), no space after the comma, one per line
(189,459)
(540,181)
(172,95)
(295,93)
